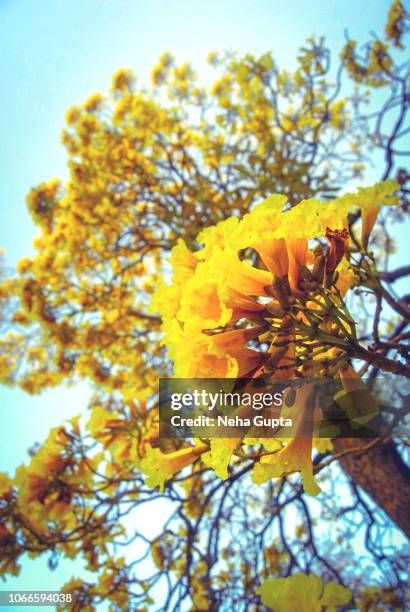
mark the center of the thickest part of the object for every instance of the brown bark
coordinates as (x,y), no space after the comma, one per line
(382,474)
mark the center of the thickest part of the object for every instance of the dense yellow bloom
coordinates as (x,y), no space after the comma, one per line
(214,287)
(245,304)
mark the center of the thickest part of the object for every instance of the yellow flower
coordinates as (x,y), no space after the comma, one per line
(216,235)
(200,299)
(166,298)
(24,265)
(304,593)
(122,80)
(358,402)
(93,102)
(71,115)
(160,467)
(5,483)
(220,454)
(274,254)
(395,26)
(296,456)
(370,200)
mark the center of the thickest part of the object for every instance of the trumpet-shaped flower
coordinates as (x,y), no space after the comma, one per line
(296,456)
(160,467)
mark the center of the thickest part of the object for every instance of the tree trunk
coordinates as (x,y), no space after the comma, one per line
(382,474)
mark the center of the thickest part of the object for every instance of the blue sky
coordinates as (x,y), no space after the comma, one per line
(54,54)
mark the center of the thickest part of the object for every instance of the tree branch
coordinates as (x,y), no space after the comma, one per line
(394,275)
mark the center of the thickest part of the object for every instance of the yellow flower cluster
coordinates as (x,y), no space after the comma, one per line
(213,288)
(281,312)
